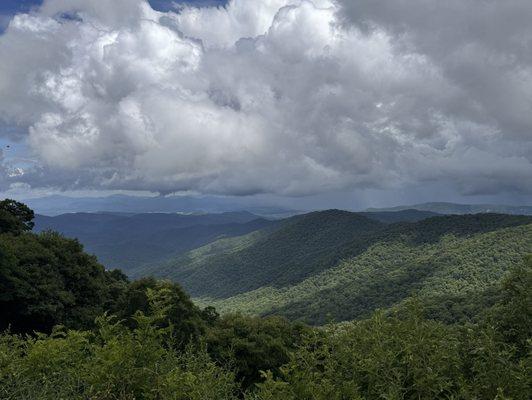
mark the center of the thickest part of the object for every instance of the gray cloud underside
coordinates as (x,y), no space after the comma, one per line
(279,96)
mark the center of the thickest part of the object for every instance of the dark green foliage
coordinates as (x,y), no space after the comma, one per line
(170,302)
(252,345)
(160,346)
(399,359)
(48,280)
(303,246)
(409,357)
(403,356)
(15,217)
(390,217)
(512,316)
(114,362)
(452,262)
(459,307)
(430,230)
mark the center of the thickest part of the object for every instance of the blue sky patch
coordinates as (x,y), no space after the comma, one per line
(8,8)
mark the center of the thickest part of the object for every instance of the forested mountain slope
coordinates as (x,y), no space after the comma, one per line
(302,246)
(195,258)
(339,265)
(389,273)
(406,215)
(128,241)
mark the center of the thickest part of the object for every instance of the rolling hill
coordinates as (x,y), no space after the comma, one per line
(127,241)
(336,265)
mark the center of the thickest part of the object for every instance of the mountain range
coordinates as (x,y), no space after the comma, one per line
(337,265)
(453,208)
(137,242)
(126,241)
(319,266)
(119,203)
(56,205)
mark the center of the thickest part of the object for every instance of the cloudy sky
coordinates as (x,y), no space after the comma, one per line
(333,102)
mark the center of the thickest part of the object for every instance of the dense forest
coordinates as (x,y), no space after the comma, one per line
(73,330)
(336,265)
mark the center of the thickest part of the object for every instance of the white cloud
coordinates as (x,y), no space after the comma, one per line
(277,96)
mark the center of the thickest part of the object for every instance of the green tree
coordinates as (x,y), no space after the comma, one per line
(113,362)
(48,280)
(15,217)
(168,302)
(252,345)
(512,316)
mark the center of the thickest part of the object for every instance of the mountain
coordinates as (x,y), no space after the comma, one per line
(340,265)
(441,267)
(127,241)
(229,245)
(302,246)
(406,215)
(453,208)
(56,205)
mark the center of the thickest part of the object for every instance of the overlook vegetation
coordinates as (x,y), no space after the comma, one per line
(70,329)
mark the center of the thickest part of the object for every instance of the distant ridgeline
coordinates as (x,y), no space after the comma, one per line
(453,208)
(127,241)
(336,265)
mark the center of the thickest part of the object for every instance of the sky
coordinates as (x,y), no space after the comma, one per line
(341,103)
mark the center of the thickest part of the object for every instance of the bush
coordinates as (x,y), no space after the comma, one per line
(252,345)
(113,363)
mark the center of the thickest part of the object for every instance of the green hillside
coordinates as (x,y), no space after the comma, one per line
(388,273)
(70,329)
(302,246)
(197,257)
(318,270)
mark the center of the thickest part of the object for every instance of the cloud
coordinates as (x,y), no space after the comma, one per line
(289,97)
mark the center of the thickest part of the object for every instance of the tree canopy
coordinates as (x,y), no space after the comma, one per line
(15,217)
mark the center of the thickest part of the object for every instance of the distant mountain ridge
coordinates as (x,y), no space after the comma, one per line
(119,203)
(406,215)
(322,265)
(454,208)
(139,242)
(126,241)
